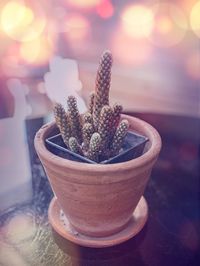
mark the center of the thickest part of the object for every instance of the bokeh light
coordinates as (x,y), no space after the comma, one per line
(76,27)
(137,21)
(128,51)
(20,22)
(164,25)
(186,5)
(105,9)
(30,51)
(170,25)
(20,228)
(83,3)
(195,18)
(37,52)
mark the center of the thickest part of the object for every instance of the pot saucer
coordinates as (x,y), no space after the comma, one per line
(61,225)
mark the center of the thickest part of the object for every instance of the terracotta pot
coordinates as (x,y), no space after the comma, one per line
(99,200)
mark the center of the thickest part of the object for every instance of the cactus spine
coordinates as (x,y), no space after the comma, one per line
(74,118)
(94,147)
(119,136)
(102,86)
(74,146)
(62,122)
(104,127)
(88,130)
(91,102)
(117,110)
(87,118)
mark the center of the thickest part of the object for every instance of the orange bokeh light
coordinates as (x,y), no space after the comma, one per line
(128,51)
(186,5)
(170,25)
(137,21)
(20,23)
(195,18)
(83,3)
(76,26)
(164,25)
(37,52)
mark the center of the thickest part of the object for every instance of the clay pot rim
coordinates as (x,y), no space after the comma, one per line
(147,157)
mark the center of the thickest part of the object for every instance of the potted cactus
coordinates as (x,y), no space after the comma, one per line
(97,168)
(98,136)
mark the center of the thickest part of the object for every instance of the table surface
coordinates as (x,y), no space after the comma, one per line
(170,237)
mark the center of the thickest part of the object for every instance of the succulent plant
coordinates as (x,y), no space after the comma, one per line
(97,134)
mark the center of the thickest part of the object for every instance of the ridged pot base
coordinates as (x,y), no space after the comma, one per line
(61,225)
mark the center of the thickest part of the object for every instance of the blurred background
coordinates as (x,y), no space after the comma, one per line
(155,76)
(155,45)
